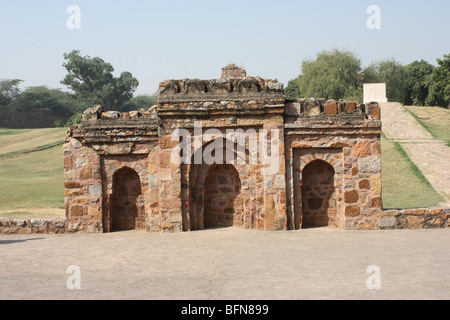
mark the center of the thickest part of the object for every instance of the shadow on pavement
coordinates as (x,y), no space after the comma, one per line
(16,241)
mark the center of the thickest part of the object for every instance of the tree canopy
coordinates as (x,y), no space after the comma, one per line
(417,88)
(333,75)
(93,81)
(45,99)
(439,83)
(9,90)
(337,75)
(139,102)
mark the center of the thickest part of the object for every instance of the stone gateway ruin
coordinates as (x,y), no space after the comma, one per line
(225,152)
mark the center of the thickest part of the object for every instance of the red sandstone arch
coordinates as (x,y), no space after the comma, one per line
(204,193)
(318,195)
(126,189)
(222,187)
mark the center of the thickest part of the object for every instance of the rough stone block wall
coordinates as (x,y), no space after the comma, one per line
(94,154)
(250,104)
(346,136)
(83,187)
(296,164)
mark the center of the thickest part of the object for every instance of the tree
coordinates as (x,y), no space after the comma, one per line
(9,90)
(292,91)
(138,103)
(439,84)
(332,75)
(393,74)
(44,99)
(417,74)
(92,81)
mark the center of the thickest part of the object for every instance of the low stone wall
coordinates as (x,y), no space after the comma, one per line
(421,218)
(28,225)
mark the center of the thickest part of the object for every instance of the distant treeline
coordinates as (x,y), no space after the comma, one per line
(90,81)
(42,107)
(338,75)
(332,75)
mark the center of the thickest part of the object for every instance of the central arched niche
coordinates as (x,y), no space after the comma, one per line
(318,195)
(215,190)
(222,187)
(126,190)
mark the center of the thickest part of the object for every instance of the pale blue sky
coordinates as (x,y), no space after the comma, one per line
(158,40)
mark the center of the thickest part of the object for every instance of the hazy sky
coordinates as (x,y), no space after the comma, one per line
(158,40)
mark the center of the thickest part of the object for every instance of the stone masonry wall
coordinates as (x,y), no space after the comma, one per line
(297,164)
(234,102)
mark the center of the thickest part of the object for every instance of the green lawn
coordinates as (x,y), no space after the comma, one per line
(17,141)
(438,123)
(404,186)
(31,184)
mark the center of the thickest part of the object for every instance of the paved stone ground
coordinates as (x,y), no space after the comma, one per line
(431,156)
(228,263)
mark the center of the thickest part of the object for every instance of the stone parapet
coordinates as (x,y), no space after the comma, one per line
(233,96)
(313,107)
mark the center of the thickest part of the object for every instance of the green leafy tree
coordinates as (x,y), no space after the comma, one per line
(417,74)
(138,103)
(393,74)
(44,99)
(292,91)
(439,84)
(92,81)
(75,119)
(9,90)
(332,75)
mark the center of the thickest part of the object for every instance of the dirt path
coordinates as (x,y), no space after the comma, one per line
(431,156)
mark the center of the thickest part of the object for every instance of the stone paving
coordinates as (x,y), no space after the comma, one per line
(229,263)
(431,156)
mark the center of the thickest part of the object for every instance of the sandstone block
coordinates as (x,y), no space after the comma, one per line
(375,113)
(311,107)
(330,108)
(351,211)
(375,182)
(362,149)
(70,184)
(351,196)
(110,115)
(364,184)
(350,106)
(134,114)
(75,144)
(415,222)
(376,203)
(76,211)
(86,173)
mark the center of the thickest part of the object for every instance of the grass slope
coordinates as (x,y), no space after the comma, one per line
(438,123)
(31,184)
(404,185)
